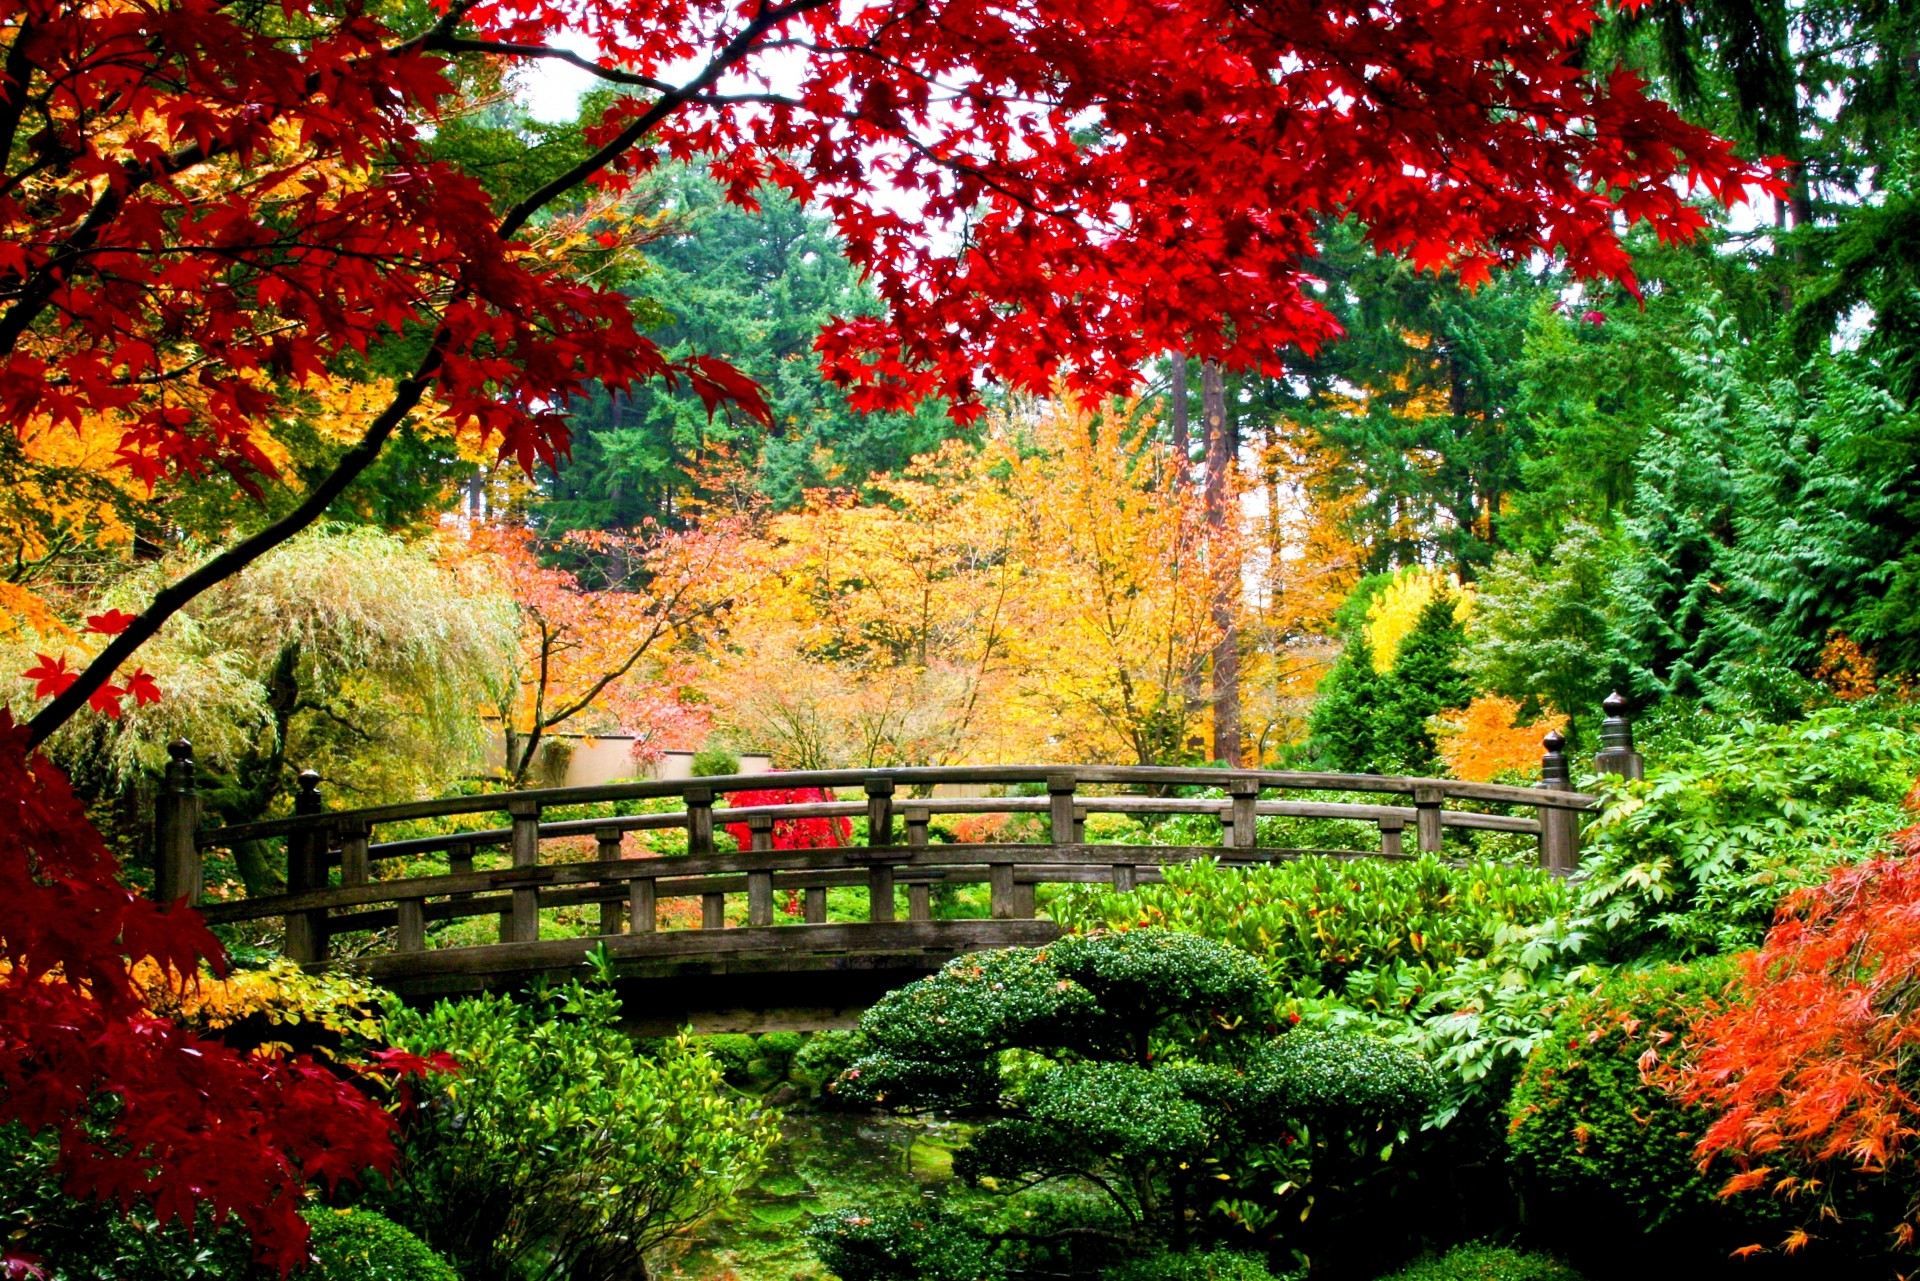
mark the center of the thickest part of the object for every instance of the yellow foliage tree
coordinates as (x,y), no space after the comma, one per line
(1392,613)
(1124,575)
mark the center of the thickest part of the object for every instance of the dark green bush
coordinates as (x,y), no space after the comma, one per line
(1141,1066)
(359,1245)
(1583,1120)
(733,1051)
(824,1056)
(1480,1262)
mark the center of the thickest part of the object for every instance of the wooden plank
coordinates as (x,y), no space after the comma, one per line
(1000,889)
(1427,817)
(641,916)
(354,868)
(522,925)
(410,918)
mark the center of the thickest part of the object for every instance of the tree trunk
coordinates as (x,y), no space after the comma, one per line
(1182,440)
(1223,448)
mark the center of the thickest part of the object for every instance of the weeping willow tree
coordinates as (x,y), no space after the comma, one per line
(349,651)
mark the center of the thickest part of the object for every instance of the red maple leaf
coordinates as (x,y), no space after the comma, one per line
(106,700)
(141,685)
(111,623)
(50,676)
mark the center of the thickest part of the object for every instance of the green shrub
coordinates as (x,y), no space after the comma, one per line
(734,1052)
(710,762)
(359,1245)
(1373,933)
(1584,1121)
(1693,861)
(824,1056)
(1197,1265)
(558,1147)
(1140,1066)
(903,1243)
(1482,1262)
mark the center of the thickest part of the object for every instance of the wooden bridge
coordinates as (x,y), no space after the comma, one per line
(772,968)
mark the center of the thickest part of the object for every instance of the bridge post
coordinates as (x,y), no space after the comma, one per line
(1426,815)
(606,842)
(1559,830)
(522,922)
(1060,789)
(640,905)
(1616,755)
(176,821)
(460,863)
(919,892)
(307,870)
(355,868)
(713,907)
(1392,830)
(880,833)
(1245,793)
(760,882)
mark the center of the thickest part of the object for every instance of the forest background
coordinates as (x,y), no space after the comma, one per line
(1684,494)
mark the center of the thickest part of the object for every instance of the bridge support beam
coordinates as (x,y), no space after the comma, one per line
(760,884)
(307,870)
(880,833)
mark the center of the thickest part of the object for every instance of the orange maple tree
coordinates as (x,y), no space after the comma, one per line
(605,659)
(1815,1070)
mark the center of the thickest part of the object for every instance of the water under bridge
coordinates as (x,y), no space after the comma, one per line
(761,953)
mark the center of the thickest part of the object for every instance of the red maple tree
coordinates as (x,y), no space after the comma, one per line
(206,208)
(792,833)
(189,1124)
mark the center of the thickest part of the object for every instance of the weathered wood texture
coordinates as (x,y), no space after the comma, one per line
(333,889)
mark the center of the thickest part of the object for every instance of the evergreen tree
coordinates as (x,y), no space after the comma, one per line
(754,288)
(1341,724)
(1428,676)
(1679,529)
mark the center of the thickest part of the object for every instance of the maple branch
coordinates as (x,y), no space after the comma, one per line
(37,291)
(461,44)
(407,394)
(13,84)
(170,599)
(743,43)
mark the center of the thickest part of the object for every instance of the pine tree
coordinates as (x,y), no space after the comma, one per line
(1428,676)
(1341,724)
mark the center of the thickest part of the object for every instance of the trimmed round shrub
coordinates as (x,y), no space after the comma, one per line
(359,1245)
(902,1243)
(1198,1265)
(1482,1262)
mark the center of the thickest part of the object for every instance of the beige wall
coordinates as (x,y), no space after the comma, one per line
(609,759)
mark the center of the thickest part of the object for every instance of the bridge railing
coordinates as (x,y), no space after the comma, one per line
(332,856)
